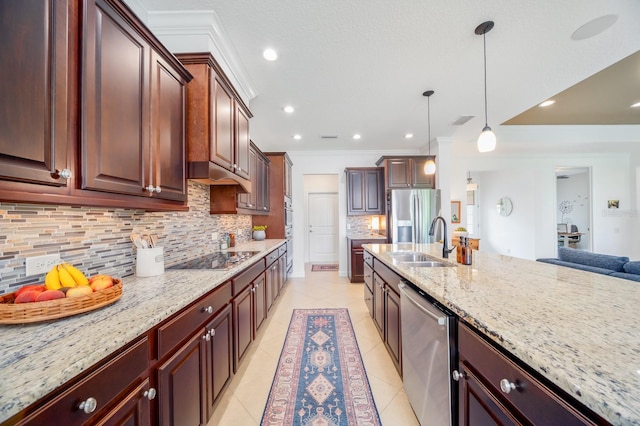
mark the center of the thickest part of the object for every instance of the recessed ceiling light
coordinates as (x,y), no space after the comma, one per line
(636,105)
(270,54)
(356,136)
(408,136)
(297,137)
(288,109)
(547,103)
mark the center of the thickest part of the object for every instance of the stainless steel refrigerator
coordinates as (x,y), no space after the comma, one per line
(409,215)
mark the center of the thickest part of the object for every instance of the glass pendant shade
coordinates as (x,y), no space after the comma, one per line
(429,167)
(486,140)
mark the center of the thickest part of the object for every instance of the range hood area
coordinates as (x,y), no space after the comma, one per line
(209,173)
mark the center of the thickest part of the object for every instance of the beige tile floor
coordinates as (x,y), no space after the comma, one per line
(245,398)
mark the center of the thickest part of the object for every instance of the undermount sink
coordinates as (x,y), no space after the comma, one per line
(426,264)
(416,260)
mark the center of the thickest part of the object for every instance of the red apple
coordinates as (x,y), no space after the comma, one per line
(50,295)
(27,296)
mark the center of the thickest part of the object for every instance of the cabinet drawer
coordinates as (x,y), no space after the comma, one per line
(104,384)
(368,276)
(390,277)
(282,250)
(534,402)
(368,258)
(246,278)
(271,257)
(179,328)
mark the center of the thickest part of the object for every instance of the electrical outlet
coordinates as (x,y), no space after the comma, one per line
(239,232)
(214,236)
(41,264)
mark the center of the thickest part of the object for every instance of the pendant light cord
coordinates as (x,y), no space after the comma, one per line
(429,121)
(484,41)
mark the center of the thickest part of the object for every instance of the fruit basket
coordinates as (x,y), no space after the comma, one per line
(21,313)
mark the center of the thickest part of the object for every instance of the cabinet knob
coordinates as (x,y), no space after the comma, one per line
(206,337)
(264,208)
(158,189)
(207,310)
(64,173)
(457,376)
(506,386)
(150,394)
(150,188)
(89,405)
(212,332)
(235,166)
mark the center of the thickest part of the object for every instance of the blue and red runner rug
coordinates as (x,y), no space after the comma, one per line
(320,380)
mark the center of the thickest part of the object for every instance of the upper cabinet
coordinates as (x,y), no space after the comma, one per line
(218,125)
(133,115)
(365,190)
(99,117)
(257,201)
(406,172)
(36,84)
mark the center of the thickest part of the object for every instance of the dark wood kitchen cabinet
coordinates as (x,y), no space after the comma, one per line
(256,201)
(279,173)
(494,390)
(101,394)
(105,106)
(133,117)
(37,88)
(365,191)
(356,259)
(219,355)
(385,308)
(133,409)
(218,125)
(249,308)
(406,172)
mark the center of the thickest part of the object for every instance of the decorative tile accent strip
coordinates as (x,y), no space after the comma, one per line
(97,239)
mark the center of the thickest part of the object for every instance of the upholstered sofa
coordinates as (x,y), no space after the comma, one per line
(615,266)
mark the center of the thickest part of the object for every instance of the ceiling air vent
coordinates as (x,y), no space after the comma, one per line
(462,120)
(562,177)
(328,136)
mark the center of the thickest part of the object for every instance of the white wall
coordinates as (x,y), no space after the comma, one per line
(530,182)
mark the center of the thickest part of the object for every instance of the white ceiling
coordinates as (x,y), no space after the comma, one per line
(360,66)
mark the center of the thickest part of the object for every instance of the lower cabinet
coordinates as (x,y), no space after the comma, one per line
(259,301)
(356,258)
(182,384)
(243,324)
(494,390)
(219,356)
(385,308)
(132,410)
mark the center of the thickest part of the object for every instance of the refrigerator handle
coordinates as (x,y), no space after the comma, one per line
(419,219)
(416,218)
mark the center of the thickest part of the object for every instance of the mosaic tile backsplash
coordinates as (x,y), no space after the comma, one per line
(361,225)
(96,240)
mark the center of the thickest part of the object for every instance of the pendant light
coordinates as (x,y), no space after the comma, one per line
(430,165)
(487,139)
(470,185)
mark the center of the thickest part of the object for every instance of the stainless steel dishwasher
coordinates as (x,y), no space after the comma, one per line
(427,358)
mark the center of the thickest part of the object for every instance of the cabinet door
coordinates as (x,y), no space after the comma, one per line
(260,301)
(243,324)
(282,273)
(378,303)
(272,283)
(219,356)
(288,178)
(392,327)
(356,192)
(262,193)
(115,103)
(249,200)
(374,191)
(398,173)
(182,385)
(357,265)
(132,410)
(241,139)
(167,164)
(35,84)
(477,405)
(420,179)
(222,110)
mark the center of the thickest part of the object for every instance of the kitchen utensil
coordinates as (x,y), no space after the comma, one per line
(154,239)
(147,240)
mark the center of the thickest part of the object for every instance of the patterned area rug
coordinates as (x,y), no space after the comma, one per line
(316,268)
(320,380)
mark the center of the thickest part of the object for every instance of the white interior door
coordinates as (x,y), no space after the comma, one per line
(322,232)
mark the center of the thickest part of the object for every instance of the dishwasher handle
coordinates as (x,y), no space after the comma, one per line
(441,320)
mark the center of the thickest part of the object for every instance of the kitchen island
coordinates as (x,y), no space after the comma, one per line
(36,359)
(578,330)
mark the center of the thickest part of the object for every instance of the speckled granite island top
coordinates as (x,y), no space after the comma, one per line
(578,329)
(35,359)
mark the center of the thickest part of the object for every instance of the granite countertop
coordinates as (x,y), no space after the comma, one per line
(37,358)
(578,329)
(366,237)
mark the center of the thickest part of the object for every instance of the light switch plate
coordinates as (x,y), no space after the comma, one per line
(41,264)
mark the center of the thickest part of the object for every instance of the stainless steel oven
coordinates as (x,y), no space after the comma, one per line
(288,212)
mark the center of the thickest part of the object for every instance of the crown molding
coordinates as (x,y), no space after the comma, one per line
(188,31)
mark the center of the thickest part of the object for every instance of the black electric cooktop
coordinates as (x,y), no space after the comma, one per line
(217,260)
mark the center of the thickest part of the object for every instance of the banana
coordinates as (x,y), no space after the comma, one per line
(75,273)
(52,280)
(65,278)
